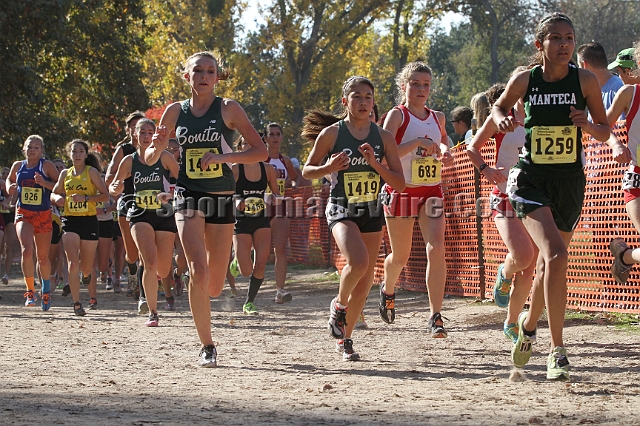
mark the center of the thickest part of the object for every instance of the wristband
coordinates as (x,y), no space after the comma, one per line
(482,167)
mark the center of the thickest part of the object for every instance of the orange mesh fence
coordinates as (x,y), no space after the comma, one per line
(472,260)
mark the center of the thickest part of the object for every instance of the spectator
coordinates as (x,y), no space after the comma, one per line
(461,120)
(625,66)
(592,57)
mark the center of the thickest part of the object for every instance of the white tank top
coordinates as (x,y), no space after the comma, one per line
(278,163)
(508,147)
(413,127)
(633,126)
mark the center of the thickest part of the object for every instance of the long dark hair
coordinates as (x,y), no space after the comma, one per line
(92,158)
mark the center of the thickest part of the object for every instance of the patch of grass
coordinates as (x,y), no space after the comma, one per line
(621,321)
(306,267)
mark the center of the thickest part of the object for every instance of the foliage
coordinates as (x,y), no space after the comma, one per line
(180,28)
(70,70)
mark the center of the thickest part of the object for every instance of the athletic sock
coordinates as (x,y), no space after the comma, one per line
(46,286)
(30,281)
(133,268)
(528,333)
(139,276)
(254,286)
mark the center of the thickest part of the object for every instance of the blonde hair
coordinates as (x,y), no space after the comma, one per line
(34,138)
(402,78)
(223,73)
(480,106)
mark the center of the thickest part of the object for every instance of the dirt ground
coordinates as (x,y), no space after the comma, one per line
(280,368)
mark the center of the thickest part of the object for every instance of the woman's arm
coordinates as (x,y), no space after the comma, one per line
(599,128)
(236,118)
(169,163)
(124,171)
(516,89)
(487,131)
(51,172)
(58,192)
(314,169)
(292,175)
(444,152)
(621,103)
(11,182)
(391,173)
(113,165)
(160,140)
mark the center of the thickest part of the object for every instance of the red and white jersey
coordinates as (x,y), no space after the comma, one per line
(414,127)
(633,126)
(508,146)
(278,163)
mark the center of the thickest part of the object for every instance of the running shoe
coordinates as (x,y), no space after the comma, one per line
(66,289)
(233,292)
(510,330)
(337,320)
(152,321)
(436,326)
(558,364)
(619,269)
(93,303)
(30,299)
(249,308)
(78,310)
(345,347)
(86,280)
(234,268)
(60,285)
(502,288)
(116,287)
(45,301)
(178,285)
(208,356)
(143,307)
(109,285)
(387,306)
(361,323)
(283,296)
(170,304)
(5,279)
(522,348)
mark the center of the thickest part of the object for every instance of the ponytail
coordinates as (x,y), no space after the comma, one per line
(315,121)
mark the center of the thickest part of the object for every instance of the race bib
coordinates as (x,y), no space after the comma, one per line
(281,183)
(554,144)
(512,180)
(425,170)
(335,212)
(31,196)
(253,206)
(631,180)
(194,159)
(361,187)
(78,207)
(148,199)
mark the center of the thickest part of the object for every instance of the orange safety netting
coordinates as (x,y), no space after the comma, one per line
(589,281)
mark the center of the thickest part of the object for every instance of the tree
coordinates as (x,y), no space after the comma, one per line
(615,24)
(70,70)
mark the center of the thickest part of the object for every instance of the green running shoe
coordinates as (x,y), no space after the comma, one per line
(249,308)
(502,288)
(510,330)
(234,268)
(558,364)
(522,348)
